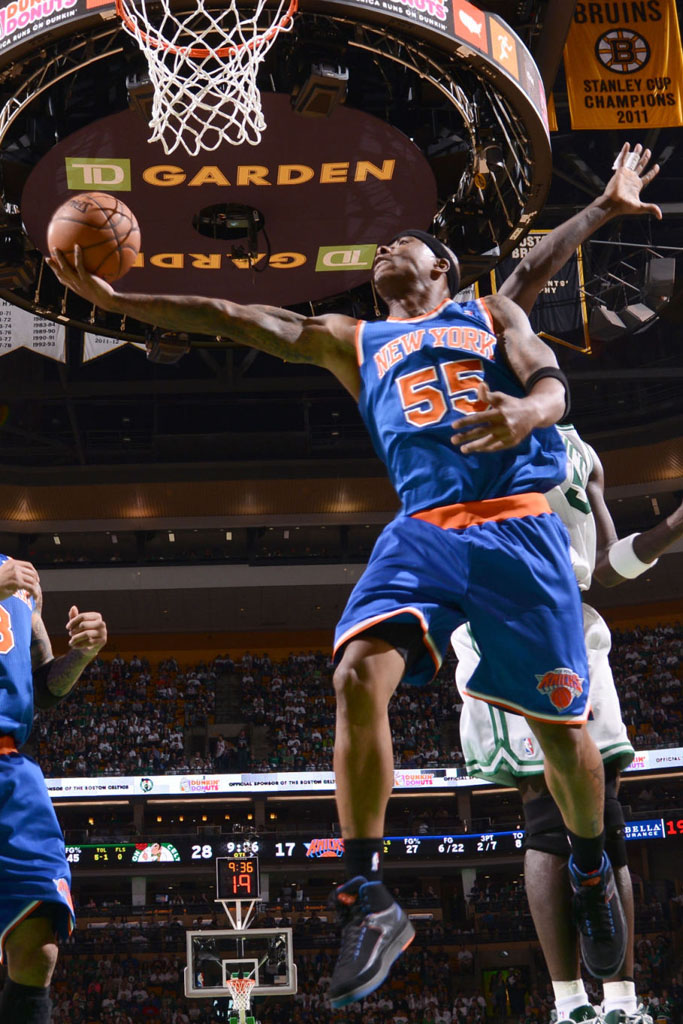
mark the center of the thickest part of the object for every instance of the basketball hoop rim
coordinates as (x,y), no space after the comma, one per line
(240,986)
(198,52)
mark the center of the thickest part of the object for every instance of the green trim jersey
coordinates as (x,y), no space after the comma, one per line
(570,501)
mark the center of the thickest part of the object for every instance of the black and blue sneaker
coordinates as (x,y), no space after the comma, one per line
(600,919)
(375,931)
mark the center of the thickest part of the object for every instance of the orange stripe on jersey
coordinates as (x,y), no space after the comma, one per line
(485,312)
(13,924)
(473,513)
(519,709)
(359,341)
(360,628)
(8,745)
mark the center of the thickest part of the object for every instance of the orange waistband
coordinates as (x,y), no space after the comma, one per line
(473,513)
(8,745)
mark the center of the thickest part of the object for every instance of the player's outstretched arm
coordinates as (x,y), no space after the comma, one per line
(621,198)
(54,678)
(619,560)
(327,341)
(504,420)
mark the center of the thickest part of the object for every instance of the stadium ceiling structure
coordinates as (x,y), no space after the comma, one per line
(232,413)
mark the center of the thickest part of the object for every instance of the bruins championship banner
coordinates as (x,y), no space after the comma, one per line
(624,66)
(559,313)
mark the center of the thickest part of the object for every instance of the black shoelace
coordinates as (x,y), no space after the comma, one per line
(595,915)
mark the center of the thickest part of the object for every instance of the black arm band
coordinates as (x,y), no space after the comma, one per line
(551,371)
(43,698)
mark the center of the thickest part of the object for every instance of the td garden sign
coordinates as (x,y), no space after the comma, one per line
(322,193)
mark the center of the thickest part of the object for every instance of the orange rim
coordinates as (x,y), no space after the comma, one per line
(200,52)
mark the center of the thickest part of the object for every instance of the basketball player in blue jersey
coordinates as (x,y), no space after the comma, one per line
(461,402)
(35,899)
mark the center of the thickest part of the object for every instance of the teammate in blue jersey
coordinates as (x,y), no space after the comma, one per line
(35,898)
(460,401)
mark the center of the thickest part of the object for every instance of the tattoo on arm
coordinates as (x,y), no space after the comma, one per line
(41,648)
(65,672)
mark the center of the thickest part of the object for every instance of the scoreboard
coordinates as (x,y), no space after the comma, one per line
(274,849)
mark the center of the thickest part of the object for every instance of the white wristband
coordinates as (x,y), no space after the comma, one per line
(625,561)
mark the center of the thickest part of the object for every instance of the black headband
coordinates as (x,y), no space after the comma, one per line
(440,250)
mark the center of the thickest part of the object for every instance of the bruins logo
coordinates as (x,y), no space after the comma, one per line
(622,50)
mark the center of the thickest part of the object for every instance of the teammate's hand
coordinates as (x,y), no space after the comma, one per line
(87,631)
(505,423)
(630,177)
(93,289)
(15,576)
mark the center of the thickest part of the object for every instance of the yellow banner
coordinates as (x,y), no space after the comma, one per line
(624,65)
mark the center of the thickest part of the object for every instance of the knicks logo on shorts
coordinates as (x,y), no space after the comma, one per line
(62,887)
(560,686)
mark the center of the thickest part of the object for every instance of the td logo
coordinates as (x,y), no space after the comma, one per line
(84,174)
(345,257)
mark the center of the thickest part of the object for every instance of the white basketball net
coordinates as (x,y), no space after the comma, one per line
(240,990)
(203,66)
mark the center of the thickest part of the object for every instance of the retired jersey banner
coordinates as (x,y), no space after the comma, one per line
(21,329)
(96,345)
(559,313)
(624,66)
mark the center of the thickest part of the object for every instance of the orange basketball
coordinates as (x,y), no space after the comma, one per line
(105,229)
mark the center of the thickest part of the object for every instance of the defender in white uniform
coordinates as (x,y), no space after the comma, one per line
(499,746)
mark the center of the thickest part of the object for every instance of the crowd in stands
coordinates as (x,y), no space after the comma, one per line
(647,666)
(127,718)
(130,718)
(425,986)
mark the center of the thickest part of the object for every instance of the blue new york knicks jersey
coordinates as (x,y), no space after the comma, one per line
(418,377)
(16,677)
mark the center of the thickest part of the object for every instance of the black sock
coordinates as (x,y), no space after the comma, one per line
(364,857)
(24,1004)
(587,852)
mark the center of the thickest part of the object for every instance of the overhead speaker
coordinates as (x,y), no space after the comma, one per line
(660,276)
(604,325)
(324,89)
(636,315)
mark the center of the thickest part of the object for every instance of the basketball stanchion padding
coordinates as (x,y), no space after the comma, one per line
(240,990)
(202,66)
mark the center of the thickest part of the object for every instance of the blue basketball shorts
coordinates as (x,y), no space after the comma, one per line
(512,579)
(33,865)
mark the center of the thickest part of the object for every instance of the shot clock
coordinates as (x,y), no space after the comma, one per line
(237,878)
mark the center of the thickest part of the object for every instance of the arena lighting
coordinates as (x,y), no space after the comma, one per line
(324,89)
(202,800)
(91,803)
(287,799)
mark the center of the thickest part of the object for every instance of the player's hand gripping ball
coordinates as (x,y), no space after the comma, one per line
(104,228)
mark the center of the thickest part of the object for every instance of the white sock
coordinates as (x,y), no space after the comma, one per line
(569,995)
(619,995)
